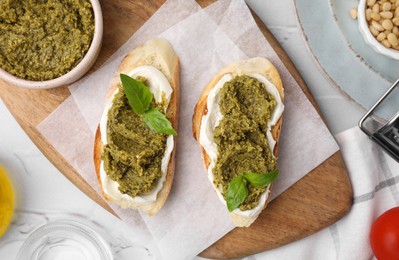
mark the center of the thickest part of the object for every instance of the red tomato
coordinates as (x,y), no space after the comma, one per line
(384,235)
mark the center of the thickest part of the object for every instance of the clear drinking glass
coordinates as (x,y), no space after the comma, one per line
(64,240)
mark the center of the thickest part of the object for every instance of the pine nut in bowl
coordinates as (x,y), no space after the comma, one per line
(378,23)
(49,43)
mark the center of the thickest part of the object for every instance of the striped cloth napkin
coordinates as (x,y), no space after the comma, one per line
(375,181)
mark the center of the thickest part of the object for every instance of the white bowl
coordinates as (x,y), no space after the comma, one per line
(368,37)
(78,71)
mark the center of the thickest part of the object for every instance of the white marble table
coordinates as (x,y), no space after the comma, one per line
(45,195)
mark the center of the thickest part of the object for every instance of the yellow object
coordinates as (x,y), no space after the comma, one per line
(6,201)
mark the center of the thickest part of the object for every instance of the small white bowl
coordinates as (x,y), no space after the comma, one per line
(78,71)
(368,37)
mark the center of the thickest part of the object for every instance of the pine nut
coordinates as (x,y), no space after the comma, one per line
(386,15)
(375,17)
(387,32)
(353,13)
(381,37)
(368,13)
(387,24)
(396,21)
(395,30)
(397,11)
(386,6)
(370,2)
(374,31)
(376,8)
(377,26)
(386,43)
(393,40)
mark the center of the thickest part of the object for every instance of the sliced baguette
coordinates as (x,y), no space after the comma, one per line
(159,54)
(257,65)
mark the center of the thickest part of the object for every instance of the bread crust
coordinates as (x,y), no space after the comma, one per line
(257,65)
(159,54)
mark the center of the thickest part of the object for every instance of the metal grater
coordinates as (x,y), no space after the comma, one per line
(388,135)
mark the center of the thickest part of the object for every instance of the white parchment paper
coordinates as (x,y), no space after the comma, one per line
(206,40)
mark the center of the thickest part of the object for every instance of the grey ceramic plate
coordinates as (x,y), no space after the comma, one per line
(351,65)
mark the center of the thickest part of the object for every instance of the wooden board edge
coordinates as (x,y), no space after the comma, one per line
(60,163)
(225,248)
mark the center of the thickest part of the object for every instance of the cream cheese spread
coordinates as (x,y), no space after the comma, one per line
(211,120)
(158,85)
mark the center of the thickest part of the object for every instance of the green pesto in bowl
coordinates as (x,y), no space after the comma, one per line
(44,39)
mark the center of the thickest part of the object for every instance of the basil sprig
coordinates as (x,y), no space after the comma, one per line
(138,95)
(158,122)
(237,190)
(140,98)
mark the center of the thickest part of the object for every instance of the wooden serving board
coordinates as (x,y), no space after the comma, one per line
(316,201)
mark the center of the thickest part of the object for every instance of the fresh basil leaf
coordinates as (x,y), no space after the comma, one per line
(158,122)
(237,191)
(261,179)
(138,95)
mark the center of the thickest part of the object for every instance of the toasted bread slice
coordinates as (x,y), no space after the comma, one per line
(157,53)
(257,65)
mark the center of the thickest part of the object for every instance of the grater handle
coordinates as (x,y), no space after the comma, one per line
(382,98)
(388,137)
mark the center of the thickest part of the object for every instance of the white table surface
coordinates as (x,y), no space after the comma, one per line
(45,195)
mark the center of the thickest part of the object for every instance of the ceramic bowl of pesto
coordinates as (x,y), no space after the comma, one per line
(52,49)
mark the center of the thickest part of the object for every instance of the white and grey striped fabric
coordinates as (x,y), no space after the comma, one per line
(375,181)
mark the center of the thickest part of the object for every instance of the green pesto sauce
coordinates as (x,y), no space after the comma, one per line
(246,107)
(44,39)
(134,152)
